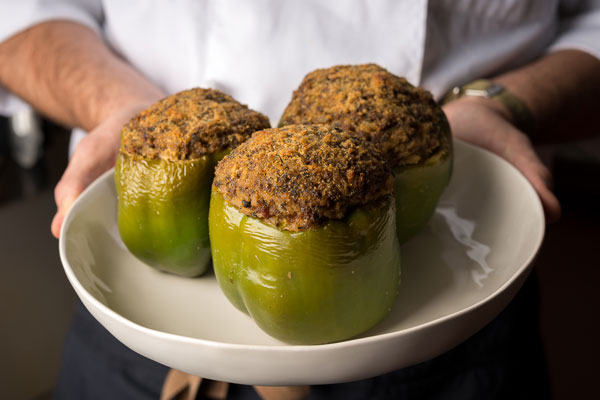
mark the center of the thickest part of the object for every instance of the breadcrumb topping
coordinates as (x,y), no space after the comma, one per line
(189,125)
(404,121)
(298,177)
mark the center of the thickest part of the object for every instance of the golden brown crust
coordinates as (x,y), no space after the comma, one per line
(402,120)
(190,124)
(298,177)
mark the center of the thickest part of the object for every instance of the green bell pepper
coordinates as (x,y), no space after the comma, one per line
(316,286)
(163,211)
(418,189)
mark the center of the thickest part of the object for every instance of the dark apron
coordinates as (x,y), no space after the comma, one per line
(502,361)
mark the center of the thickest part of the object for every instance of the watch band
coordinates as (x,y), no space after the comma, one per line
(519,112)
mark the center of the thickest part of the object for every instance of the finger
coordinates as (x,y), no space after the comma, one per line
(56,225)
(65,194)
(520,153)
(90,160)
(552,208)
(541,179)
(59,217)
(95,154)
(80,172)
(67,191)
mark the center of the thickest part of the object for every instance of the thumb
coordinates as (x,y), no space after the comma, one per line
(66,192)
(61,212)
(94,155)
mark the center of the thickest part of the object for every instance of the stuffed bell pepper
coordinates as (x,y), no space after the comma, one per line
(404,121)
(164,173)
(302,229)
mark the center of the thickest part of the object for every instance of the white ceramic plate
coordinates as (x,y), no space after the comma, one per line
(457,274)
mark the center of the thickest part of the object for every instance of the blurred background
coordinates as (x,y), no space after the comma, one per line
(36,300)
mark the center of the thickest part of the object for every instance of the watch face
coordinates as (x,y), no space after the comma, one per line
(493,89)
(478,88)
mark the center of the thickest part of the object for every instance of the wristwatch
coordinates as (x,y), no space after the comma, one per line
(520,114)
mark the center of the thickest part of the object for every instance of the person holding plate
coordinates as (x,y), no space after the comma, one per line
(514,72)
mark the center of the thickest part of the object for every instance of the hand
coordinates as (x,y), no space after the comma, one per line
(486,124)
(95,154)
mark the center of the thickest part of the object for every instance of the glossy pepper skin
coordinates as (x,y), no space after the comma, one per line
(316,286)
(418,189)
(163,211)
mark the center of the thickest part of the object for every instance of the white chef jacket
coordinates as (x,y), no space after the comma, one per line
(259,50)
